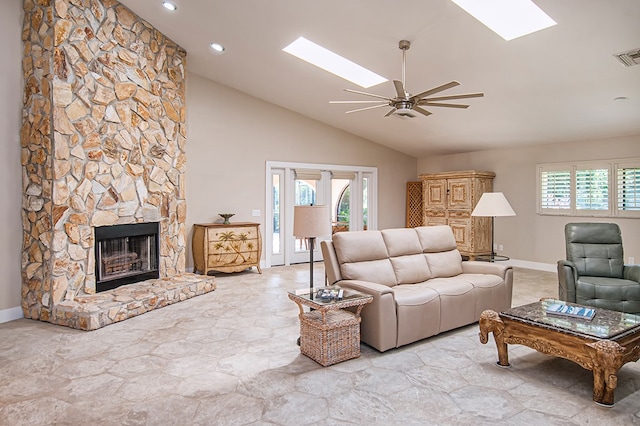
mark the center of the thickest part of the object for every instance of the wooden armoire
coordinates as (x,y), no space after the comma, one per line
(448,198)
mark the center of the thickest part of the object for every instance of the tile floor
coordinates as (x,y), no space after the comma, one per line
(229,358)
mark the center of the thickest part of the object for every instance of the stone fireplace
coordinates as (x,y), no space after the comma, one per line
(103,144)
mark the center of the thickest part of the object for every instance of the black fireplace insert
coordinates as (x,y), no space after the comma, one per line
(126,254)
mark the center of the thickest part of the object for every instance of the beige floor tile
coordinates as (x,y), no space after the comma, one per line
(230,358)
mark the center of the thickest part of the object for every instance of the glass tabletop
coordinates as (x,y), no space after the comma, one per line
(330,294)
(605,324)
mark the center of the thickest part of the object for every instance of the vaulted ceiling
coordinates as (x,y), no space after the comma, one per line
(559,84)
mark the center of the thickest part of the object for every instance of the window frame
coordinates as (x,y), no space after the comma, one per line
(612,166)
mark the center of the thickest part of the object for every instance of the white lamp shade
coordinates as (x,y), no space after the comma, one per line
(311,221)
(493,204)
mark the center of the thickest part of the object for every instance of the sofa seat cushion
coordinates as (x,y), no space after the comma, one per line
(610,289)
(457,301)
(418,312)
(489,290)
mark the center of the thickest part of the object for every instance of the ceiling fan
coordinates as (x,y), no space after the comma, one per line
(403,104)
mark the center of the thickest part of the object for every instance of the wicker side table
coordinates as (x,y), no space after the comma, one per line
(330,334)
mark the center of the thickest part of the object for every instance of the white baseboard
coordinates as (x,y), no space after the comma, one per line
(11,314)
(548,267)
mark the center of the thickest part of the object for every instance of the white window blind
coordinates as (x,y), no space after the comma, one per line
(590,188)
(308,174)
(337,174)
(555,189)
(628,184)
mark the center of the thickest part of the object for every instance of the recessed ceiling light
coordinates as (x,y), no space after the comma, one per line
(620,99)
(217,47)
(508,18)
(329,61)
(168,5)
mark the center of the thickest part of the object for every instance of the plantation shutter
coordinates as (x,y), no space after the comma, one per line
(592,189)
(555,190)
(628,184)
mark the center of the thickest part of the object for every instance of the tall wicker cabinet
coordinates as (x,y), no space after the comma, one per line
(449,198)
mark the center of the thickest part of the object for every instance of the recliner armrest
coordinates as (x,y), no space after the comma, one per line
(631,272)
(567,278)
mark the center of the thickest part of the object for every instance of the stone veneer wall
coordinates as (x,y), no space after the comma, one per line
(103,142)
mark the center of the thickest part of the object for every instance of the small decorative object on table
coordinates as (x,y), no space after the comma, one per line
(562,309)
(226,217)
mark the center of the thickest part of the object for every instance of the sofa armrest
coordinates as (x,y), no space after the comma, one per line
(379,326)
(631,272)
(331,265)
(567,278)
(478,267)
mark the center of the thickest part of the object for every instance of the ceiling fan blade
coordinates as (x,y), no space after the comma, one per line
(436,90)
(399,89)
(436,104)
(421,110)
(358,102)
(390,112)
(366,108)
(448,98)
(367,94)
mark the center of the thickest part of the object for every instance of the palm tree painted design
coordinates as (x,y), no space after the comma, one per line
(230,242)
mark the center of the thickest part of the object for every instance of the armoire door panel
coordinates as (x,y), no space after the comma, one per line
(459,196)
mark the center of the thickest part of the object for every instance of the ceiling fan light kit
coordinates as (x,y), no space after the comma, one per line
(406,105)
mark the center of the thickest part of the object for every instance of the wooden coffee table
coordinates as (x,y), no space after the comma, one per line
(602,345)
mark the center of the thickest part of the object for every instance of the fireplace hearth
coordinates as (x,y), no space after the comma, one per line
(126,254)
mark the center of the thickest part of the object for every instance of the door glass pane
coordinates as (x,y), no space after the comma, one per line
(365,203)
(340,204)
(304,195)
(276,213)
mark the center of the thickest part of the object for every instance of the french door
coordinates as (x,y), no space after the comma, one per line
(292,184)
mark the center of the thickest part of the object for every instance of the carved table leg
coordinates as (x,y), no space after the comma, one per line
(607,360)
(490,322)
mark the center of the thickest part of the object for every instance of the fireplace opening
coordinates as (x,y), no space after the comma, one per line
(126,254)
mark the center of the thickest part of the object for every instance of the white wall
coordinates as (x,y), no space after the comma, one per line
(231,136)
(10,168)
(529,236)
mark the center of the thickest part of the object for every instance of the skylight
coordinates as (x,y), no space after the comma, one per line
(508,18)
(329,61)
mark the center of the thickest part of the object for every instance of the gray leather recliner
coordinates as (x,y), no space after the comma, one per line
(594,273)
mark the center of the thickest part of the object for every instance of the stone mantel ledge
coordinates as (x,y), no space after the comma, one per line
(90,312)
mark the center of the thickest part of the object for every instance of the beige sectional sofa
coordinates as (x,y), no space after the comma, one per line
(419,283)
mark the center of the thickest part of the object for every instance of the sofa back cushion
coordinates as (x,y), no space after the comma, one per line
(440,250)
(405,253)
(363,255)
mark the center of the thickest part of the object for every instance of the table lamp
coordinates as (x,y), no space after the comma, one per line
(493,204)
(311,222)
